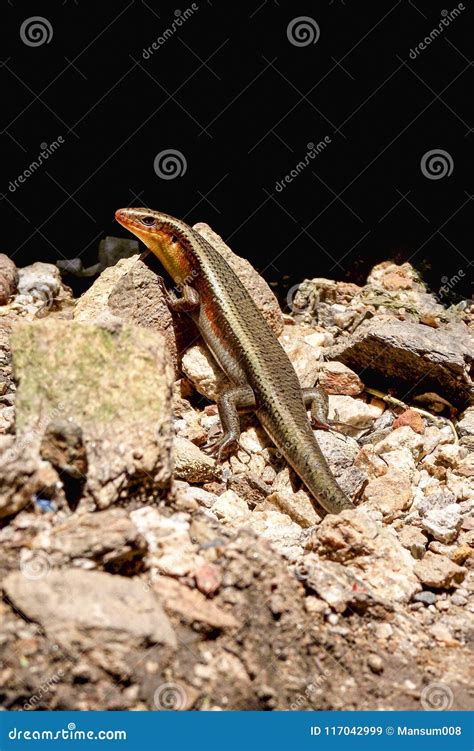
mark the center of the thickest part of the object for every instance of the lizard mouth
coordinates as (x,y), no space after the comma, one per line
(124,217)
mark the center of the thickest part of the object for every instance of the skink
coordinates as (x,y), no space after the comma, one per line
(261,375)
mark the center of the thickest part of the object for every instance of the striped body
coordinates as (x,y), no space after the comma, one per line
(248,352)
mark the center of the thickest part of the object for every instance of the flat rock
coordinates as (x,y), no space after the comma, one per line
(106,539)
(443,523)
(304,358)
(114,385)
(391,493)
(278,528)
(71,600)
(333,582)
(412,418)
(192,464)
(171,550)
(412,353)
(372,553)
(298,506)
(337,378)
(191,605)
(438,572)
(413,539)
(230,508)
(255,284)
(353,412)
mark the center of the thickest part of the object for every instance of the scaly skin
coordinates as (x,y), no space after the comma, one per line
(242,343)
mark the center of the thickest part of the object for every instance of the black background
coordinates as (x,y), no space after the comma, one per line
(241,102)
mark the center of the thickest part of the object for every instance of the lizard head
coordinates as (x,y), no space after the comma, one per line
(168,238)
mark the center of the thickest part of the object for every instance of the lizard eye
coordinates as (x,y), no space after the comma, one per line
(148,220)
(174,239)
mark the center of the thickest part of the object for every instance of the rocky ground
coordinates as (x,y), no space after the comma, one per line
(139,574)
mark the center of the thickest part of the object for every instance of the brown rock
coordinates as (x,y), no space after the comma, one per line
(337,378)
(191,605)
(8,279)
(208,579)
(105,539)
(413,539)
(391,493)
(438,571)
(412,418)
(192,464)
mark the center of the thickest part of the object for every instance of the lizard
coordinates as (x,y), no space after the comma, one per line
(261,376)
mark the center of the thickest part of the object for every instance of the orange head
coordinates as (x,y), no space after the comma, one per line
(168,238)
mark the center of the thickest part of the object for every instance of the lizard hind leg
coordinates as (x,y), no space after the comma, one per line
(317,399)
(233,399)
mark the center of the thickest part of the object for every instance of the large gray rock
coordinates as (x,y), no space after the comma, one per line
(410,353)
(115,386)
(75,606)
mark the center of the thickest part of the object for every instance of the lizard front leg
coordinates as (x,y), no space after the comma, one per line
(231,400)
(187,303)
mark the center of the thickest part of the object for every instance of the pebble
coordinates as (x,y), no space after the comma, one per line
(458,600)
(438,571)
(375,663)
(427,598)
(383,630)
